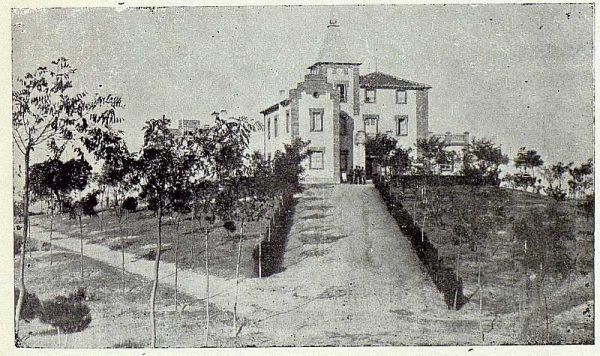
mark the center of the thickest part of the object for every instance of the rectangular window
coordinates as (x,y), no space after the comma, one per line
(400,96)
(316,119)
(341,91)
(275,125)
(315,159)
(287,121)
(446,167)
(371,124)
(402,125)
(370,95)
(269,128)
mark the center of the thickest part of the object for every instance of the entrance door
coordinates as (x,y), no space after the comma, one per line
(369,168)
(344,161)
(343,165)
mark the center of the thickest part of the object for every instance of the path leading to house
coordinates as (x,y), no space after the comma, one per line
(350,278)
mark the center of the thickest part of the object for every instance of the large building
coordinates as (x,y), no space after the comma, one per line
(335,107)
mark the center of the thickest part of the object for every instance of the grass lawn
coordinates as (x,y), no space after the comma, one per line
(118,320)
(507,286)
(140,231)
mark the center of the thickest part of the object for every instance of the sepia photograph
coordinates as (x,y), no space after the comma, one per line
(261,176)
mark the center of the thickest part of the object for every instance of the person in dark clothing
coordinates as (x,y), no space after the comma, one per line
(363,176)
(357,175)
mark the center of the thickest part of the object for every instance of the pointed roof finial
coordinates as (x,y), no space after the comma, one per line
(334,49)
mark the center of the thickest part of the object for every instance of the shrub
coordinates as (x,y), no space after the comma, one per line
(80,295)
(130,204)
(116,246)
(556,193)
(67,315)
(229,226)
(45,246)
(31,306)
(149,255)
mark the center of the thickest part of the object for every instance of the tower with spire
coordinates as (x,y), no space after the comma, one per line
(335,108)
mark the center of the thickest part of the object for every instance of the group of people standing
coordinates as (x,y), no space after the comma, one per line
(357,175)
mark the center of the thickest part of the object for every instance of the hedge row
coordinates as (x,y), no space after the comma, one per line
(409,181)
(443,277)
(273,248)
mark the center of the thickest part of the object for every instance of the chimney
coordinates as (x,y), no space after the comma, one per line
(283,94)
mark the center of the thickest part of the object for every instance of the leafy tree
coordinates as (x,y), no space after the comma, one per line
(120,173)
(287,167)
(582,178)
(232,137)
(544,236)
(431,154)
(45,187)
(482,161)
(476,223)
(528,159)
(262,189)
(389,155)
(83,206)
(157,169)
(381,147)
(46,110)
(181,195)
(555,175)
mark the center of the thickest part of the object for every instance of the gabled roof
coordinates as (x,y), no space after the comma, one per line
(386,81)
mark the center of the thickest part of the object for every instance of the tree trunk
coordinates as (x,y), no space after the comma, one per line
(260,250)
(51,229)
(207,289)
(122,256)
(176,263)
(423,225)
(547,318)
(81,247)
(480,285)
(22,289)
(29,244)
(192,234)
(156,268)
(237,279)
(269,231)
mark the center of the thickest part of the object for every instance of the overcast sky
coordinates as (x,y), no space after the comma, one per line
(522,75)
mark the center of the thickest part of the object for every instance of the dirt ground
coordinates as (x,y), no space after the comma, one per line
(350,278)
(505,283)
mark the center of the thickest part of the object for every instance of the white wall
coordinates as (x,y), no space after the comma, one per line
(317,139)
(385,106)
(277,143)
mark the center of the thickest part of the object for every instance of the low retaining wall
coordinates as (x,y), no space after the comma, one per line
(272,247)
(443,277)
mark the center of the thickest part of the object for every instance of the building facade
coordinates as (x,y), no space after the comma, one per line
(336,107)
